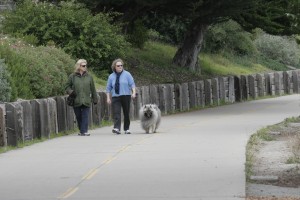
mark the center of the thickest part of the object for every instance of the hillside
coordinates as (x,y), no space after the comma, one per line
(152,65)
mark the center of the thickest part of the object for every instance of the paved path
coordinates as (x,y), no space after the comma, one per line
(196,155)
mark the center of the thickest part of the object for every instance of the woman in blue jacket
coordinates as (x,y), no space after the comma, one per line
(119,90)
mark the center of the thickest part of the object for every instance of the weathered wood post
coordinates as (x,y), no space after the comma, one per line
(3,136)
(14,125)
(208,92)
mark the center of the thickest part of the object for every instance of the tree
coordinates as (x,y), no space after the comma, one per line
(278,17)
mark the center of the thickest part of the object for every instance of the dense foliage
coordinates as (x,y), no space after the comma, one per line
(282,49)
(170,28)
(138,34)
(5,89)
(36,72)
(70,27)
(229,36)
(274,17)
(274,52)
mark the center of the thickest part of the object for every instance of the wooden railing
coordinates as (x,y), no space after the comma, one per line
(25,120)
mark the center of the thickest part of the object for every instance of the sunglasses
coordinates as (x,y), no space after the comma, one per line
(119,65)
(82,65)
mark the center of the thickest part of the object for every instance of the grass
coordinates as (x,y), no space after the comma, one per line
(153,65)
(217,65)
(154,53)
(293,160)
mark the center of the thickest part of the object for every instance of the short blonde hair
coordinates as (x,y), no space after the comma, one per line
(78,63)
(113,65)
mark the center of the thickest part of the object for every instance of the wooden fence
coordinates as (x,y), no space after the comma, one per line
(25,120)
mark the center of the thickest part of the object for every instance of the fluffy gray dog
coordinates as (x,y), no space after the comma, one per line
(150,117)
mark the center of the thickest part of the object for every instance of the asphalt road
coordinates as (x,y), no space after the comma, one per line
(197,155)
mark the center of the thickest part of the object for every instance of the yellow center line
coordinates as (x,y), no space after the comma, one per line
(109,160)
(93,172)
(68,193)
(125,148)
(90,174)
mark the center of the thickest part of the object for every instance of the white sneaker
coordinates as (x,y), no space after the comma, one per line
(127,132)
(86,134)
(116,131)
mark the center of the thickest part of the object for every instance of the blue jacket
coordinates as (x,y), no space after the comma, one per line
(126,84)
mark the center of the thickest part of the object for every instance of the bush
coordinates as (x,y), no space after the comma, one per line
(230,37)
(19,81)
(36,72)
(139,35)
(71,27)
(47,71)
(5,89)
(282,49)
(171,29)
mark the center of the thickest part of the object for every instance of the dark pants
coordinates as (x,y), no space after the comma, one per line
(82,117)
(124,103)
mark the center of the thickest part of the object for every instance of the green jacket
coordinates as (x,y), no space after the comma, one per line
(84,87)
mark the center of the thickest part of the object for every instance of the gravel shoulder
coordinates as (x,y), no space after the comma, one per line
(276,168)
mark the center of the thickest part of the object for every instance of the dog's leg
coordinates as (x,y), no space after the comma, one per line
(154,128)
(147,130)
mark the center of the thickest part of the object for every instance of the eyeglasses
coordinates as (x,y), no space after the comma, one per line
(119,65)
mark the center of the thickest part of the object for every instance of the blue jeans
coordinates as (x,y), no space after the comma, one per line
(82,117)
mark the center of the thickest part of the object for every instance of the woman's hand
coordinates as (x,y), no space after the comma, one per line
(108,101)
(133,95)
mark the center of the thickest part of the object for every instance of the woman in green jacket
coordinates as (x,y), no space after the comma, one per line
(81,86)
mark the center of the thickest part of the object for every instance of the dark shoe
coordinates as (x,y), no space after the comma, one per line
(127,132)
(84,134)
(116,131)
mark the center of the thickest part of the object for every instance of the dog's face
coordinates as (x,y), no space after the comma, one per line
(148,111)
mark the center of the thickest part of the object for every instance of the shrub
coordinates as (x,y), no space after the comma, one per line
(282,49)
(5,89)
(36,72)
(230,37)
(19,81)
(47,72)
(71,27)
(171,29)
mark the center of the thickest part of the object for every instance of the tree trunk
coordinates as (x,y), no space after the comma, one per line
(187,54)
